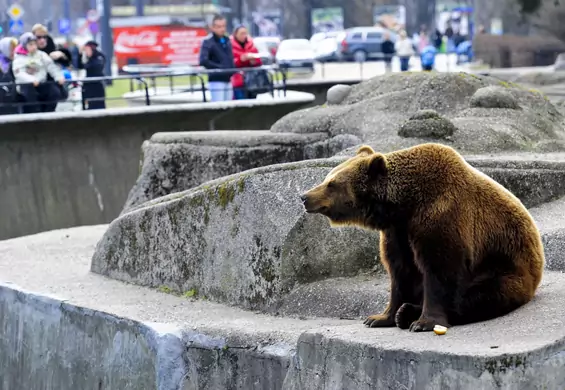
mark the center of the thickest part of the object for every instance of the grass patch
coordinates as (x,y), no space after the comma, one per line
(190,293)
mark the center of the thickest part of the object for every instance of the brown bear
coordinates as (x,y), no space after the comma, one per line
(458,247)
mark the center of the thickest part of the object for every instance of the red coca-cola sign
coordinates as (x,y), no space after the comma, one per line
(157,45)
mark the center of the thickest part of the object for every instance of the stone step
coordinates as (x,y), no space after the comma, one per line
(66,328)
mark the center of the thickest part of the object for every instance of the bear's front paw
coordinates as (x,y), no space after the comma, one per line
(427,324)
(379,321)
(407,314)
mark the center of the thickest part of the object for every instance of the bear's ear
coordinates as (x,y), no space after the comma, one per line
(377,165)
(365,150)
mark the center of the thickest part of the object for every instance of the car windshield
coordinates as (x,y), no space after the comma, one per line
(296,45)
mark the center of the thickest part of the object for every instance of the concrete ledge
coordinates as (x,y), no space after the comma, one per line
(509,352)
(70,329)
(160,115)
(65,328)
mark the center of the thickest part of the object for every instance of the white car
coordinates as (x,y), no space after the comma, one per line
(296,54)
(327,49)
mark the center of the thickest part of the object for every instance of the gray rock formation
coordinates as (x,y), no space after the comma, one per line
(494,97)
(427,124)
(243,240)
(174,162)
(338,93)
(488,115)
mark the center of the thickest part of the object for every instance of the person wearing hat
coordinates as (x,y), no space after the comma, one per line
(32,66)
(93,61)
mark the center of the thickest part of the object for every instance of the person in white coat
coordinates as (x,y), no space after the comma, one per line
(31,66)
(404,50)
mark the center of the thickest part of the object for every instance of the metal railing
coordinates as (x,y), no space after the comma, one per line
(145,82)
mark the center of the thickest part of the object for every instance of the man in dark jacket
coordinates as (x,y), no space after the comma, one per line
(216,53)
(387,47)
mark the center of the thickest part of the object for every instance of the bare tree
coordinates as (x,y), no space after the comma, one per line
(549,18)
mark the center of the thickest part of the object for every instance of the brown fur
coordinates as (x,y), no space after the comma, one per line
(459,247)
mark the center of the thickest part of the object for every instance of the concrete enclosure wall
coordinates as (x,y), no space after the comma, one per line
(70,169)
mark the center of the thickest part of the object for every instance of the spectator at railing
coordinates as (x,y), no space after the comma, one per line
(59,54)
(31,65)
(7,92)
(216,53)
(93,62)
(245,55)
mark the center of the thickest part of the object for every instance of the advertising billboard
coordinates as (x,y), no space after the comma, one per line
(157,44)
(327,19)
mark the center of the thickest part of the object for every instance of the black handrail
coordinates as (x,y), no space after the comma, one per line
(197,72)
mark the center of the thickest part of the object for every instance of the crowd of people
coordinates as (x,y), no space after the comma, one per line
(424,45)
(405,48)
(35,72)
(221,52)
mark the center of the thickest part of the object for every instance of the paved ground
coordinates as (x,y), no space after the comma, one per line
(353,70)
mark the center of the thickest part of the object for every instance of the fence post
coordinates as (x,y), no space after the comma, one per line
(82,101)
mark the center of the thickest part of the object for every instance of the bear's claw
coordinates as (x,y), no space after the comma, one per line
(427,324)
(379,320)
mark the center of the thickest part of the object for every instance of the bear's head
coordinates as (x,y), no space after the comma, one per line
(354,193)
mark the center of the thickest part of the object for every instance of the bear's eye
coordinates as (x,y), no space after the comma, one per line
(332,184)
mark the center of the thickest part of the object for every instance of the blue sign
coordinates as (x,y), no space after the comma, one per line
(64,26)
(16,26)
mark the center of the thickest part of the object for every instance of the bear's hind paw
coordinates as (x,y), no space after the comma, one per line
(407,314)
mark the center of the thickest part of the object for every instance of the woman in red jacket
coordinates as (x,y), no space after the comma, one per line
(245,55)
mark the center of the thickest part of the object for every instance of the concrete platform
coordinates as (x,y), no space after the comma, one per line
(65,328)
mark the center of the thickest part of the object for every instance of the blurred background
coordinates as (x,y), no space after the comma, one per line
(526,32)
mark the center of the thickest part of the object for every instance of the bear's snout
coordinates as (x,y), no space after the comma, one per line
(312,203)
(306,202)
